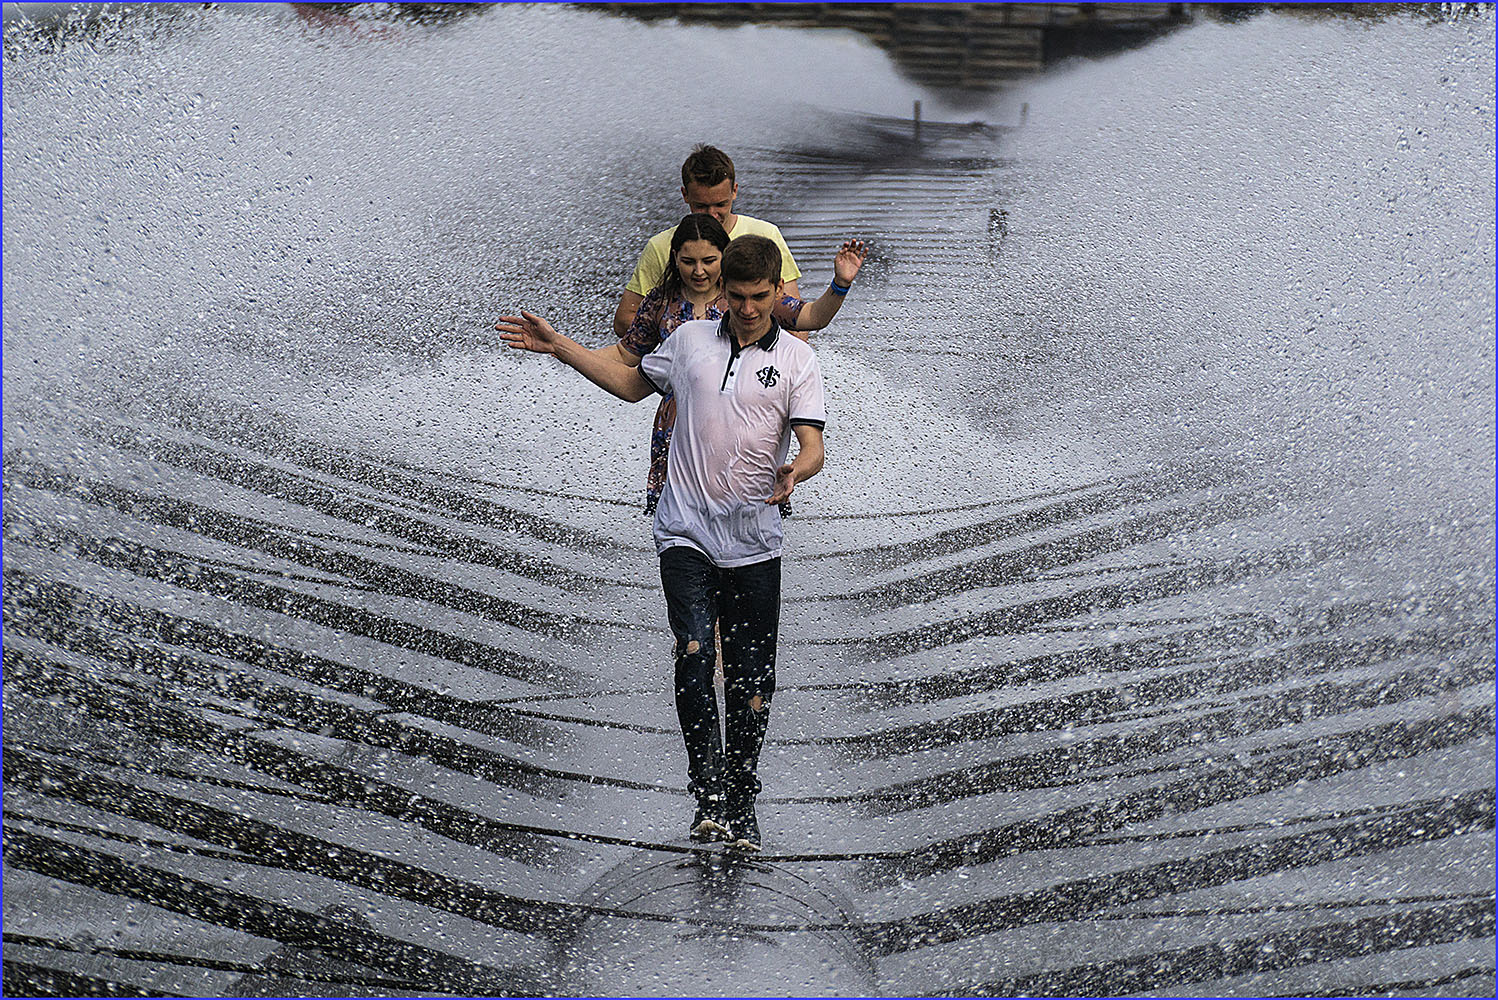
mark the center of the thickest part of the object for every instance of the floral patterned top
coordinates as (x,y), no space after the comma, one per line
(656,320)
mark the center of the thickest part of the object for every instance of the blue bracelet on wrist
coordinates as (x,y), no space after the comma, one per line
(837,289)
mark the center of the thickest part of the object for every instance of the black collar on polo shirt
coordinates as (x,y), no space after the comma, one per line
(765,343)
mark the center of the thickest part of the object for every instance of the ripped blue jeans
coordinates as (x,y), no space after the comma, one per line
(745,602)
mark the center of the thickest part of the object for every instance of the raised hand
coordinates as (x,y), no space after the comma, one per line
(528,332)
(849,259)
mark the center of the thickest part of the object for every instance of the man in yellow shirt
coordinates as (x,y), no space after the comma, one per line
(707,185)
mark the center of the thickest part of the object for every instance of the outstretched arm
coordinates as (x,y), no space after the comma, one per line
(807,463)
(845,268)
(618,353)
(529,332)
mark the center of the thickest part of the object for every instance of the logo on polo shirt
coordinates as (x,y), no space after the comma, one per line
(768,376)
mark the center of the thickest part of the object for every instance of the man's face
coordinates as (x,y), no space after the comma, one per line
(749,305)
(716,199)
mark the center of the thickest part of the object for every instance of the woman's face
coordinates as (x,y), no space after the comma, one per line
(700,264)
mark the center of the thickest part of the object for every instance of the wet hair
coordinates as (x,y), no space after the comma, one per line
(708,166)
(698,226)
(750,258)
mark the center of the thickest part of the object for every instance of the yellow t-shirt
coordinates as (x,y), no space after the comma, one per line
(657,254)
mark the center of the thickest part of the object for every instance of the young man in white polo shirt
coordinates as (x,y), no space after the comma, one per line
(743,388)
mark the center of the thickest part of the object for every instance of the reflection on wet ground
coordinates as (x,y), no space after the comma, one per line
(286,718)
(320,730)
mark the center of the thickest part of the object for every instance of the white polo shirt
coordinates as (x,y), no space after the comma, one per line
(734,413)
